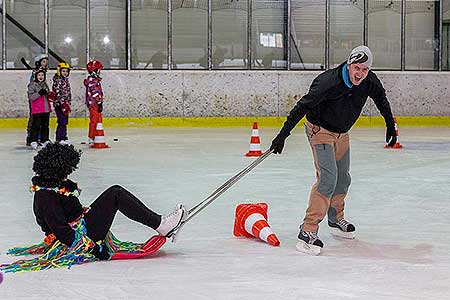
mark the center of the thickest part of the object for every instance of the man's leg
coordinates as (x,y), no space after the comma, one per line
(322,146)
(336,210)
(336,221)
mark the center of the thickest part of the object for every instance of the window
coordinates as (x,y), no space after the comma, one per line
(24,32)
(190,34)
(229,34)
(149,34)
(446,35)
(108,33)
(422,35)
(67,34)
(346,28)
(307,40)
(384,34)
(268,27)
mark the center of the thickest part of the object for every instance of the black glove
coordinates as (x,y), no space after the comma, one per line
(101,254)
(43,92)
(99,107)
(278,144)
(391,136)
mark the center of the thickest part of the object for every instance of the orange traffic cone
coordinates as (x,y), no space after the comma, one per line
(397,145)
(251,220)
(99,139)
(255,143)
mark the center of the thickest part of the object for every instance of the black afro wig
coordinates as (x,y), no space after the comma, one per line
(56,161)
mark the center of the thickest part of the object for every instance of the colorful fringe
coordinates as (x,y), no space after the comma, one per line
(116,246)
(59,255)
(56,255)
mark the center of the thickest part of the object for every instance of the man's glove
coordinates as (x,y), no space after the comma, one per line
(278,144)
(391,136)
(99,107)
(101,252)
(43,92)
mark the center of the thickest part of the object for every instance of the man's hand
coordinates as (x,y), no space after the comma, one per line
(391,136)
(277,144)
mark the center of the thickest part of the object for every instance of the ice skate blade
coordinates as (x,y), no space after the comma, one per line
(173,234)
(302,246)
(342,234)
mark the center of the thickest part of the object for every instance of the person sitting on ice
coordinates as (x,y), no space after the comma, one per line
(76,234)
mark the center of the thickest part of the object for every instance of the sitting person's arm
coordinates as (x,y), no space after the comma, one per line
(56,220)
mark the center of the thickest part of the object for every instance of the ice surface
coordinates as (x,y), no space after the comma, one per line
(399,202)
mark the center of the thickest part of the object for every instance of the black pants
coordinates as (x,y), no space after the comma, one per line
(39,127)
(103,210)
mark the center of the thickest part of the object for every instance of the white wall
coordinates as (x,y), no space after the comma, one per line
(224,93)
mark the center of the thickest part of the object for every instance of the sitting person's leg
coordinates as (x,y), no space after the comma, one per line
(116,198)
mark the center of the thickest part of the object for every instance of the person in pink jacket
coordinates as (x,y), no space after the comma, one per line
(94,97)
(38,95)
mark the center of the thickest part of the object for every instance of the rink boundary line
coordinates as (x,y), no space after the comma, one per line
(217,122)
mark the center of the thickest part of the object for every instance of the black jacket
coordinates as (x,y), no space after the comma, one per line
(54,211)
(335,107)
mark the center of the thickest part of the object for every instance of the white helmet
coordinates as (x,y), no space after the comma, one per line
(38,58)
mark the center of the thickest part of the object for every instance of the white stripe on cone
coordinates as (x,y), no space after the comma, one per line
(264,233)
(255,132)
(99,126)
(255,147)
(99,139)
(251,220)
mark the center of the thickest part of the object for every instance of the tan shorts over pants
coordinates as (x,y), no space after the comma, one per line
(331,153)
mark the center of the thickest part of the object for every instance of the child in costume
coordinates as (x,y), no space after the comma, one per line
(94,97)
(38,95)
(61,88)
(40,63)
(77,234)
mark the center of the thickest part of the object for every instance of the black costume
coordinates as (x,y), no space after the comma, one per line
(54,211)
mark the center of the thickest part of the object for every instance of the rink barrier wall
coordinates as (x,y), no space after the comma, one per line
(188,98)
(217,122)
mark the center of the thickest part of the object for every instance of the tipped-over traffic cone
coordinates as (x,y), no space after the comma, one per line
(99,139)
(251,220)
(397,144)
(255,143)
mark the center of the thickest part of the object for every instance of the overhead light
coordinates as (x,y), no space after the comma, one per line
(68,40)
(106,40)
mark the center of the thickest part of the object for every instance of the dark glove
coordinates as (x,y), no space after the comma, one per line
(391,136)
(101,252)
(278,144)
(99,107)
(43,92)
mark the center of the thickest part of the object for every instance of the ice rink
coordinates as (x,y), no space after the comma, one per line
(399,201)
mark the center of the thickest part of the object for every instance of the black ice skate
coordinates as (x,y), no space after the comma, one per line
(342,229)
(309,242)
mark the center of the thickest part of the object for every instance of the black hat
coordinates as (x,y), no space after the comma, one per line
(56,161)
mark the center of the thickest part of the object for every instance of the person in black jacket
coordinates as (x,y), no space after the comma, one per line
(57,207)
(332,105)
